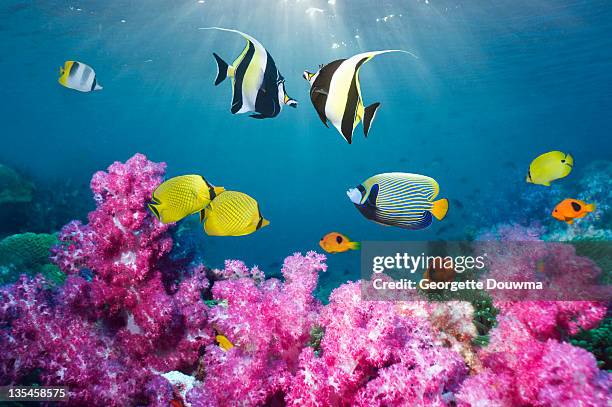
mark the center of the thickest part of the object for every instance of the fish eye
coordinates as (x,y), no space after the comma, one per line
(339,239)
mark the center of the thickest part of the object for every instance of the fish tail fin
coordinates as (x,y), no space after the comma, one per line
(289,101)
(61,70)
(98,87)
(153,207)
(355,245)
(368,117)
(218,190)
(265,222)
(223,69)
(590,207)
(440,208)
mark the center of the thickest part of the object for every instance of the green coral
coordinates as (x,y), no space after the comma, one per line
(600,251)
(316,335)
(598,341)
(28,253)
(485,316)
(13,187)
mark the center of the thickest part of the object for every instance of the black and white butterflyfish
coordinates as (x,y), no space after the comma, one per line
(399,199)
(78,76)
(335,93)
(257,84)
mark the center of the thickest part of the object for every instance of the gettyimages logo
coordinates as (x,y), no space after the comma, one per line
(510,271)
(411,264)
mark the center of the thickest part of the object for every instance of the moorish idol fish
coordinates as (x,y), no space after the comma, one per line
(182,196)
(232,213)
(335,93)
(399,199)
(257,84)
(78,76)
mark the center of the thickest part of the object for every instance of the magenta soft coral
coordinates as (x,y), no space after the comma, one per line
(522,370)
(564,274)
(122,242)
(373,355)
(110,335)
(525,363)
(67,350)
(269,322)
(122,245)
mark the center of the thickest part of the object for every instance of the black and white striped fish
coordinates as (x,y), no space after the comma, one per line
(257,84)
(399,199)
(78,76)
(335,93)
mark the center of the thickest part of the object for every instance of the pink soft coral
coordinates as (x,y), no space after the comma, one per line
(108,335)
(525,363)
(521,370)
(369,346)
(268,321)
(66,349)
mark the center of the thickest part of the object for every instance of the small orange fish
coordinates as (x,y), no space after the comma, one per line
(440,273)
(335,242)
(570,209)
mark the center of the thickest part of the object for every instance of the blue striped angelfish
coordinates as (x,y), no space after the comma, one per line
(335,93)
(399,199)
(78,76)
(257,84)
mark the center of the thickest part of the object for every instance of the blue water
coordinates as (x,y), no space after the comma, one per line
(494,86)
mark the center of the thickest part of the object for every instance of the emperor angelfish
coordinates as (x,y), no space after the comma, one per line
(182,196)
(232,213)
(335,93)
(78,76)
(399,199)
(257,84)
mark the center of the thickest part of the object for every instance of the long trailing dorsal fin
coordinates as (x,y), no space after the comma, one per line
(244,35)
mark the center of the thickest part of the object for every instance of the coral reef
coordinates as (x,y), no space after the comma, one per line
(526,362)
(598,341)
(125,312)
(28,253)
(372,354)
(136,320)
(13,187)
(522,370)
(268,321)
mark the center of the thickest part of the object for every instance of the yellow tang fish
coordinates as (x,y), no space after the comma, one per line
(78,76)
(232,213)
(549,167)
(182,196)
(224,343)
